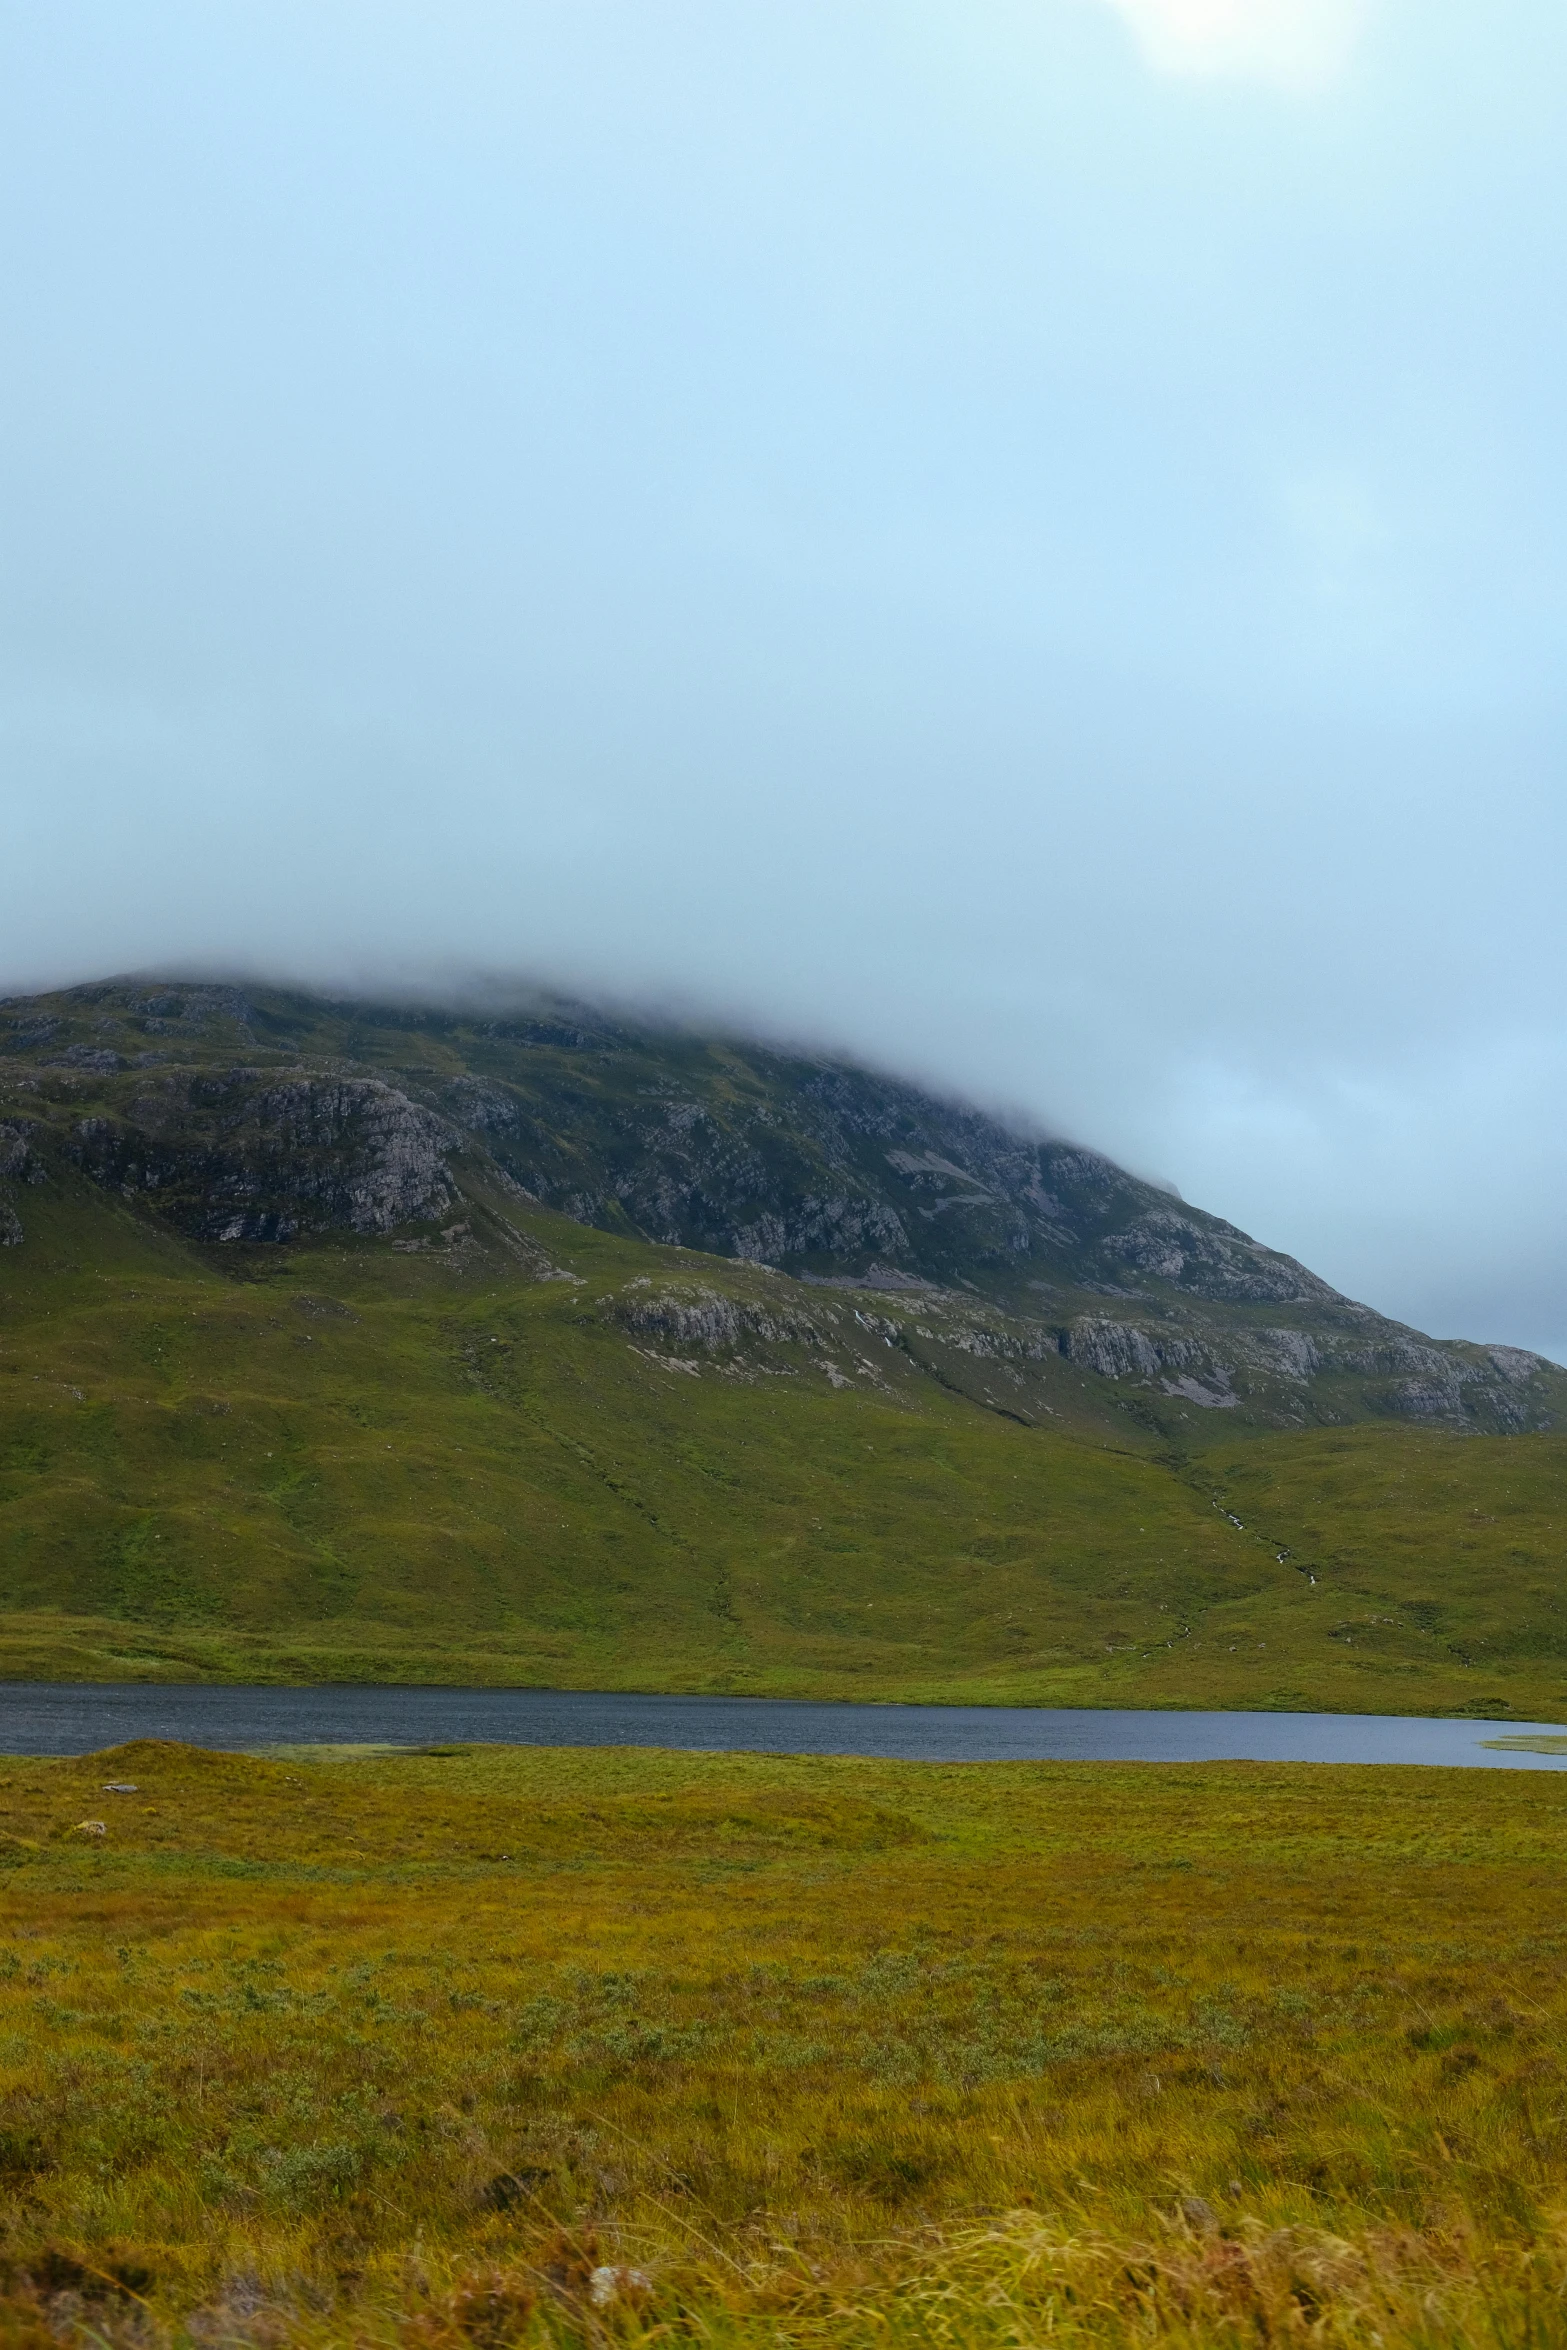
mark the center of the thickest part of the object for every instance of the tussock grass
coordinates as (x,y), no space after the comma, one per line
(441,2048)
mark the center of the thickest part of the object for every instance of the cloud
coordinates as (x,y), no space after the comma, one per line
(1294,44)
(1072,614)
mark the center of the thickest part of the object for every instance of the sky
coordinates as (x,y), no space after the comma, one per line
(1025,540)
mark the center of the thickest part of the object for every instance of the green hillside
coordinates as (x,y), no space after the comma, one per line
(490,1461)
(354,1342)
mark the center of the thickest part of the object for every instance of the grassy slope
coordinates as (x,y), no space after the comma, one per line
(808,2039)
(1423,1544)
(342,1462)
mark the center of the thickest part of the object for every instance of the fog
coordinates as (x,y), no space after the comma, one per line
(1021,539)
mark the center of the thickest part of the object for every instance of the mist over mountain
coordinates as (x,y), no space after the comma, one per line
(1019,550)
(237,1115)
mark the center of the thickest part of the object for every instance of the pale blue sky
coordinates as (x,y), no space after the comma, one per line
(1027,538)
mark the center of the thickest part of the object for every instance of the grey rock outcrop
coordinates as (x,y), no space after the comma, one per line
(1213,1260)
(237,1157)
(695,1315)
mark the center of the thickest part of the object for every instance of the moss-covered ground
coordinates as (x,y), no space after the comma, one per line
(333,2047)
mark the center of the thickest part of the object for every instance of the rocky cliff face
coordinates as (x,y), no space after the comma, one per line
(240,1155)
(831,1171)
(263,1118)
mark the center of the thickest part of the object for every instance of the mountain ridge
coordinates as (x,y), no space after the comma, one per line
(242,1116)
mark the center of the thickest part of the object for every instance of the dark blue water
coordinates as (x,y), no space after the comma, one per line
(41,1717)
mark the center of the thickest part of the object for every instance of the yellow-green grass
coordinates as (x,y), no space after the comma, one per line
(346,1463)
(402,2047)
(1423,1544)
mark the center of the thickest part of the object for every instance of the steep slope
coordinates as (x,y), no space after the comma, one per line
(261,1116)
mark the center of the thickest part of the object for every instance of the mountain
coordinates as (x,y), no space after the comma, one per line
(246,1117)
(344,1340)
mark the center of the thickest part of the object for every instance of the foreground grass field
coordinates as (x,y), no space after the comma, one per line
(488,2045)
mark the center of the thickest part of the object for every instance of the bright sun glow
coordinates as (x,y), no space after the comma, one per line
(1296,44)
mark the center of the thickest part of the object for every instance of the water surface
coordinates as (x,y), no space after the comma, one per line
(48,1717)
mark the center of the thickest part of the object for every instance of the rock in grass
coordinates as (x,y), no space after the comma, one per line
(608,2285)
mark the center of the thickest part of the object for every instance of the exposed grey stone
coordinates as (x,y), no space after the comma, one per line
(1288,1351)
(699,1316)
(27,1034)
(1212,1399)
(1428,1399)
(1212,1259)
(1116,1350)
(237,1159)
(884,1277)
(89,1056)
(16,1156)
